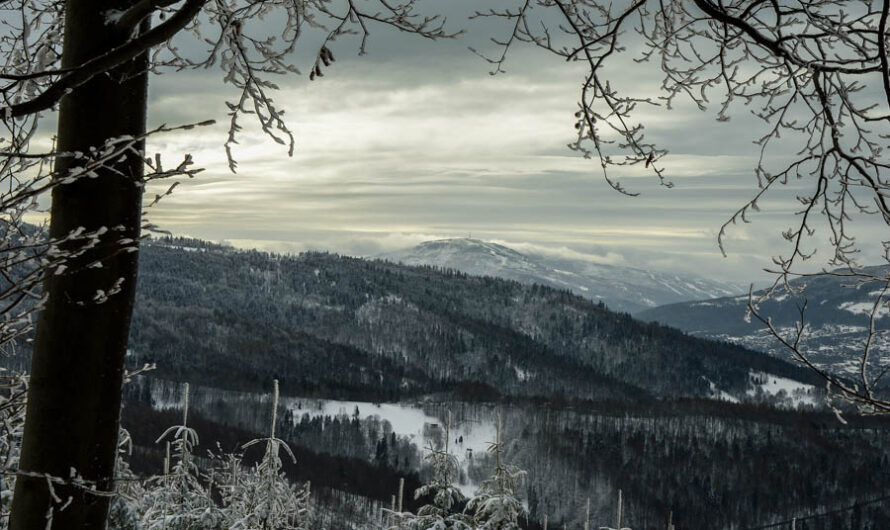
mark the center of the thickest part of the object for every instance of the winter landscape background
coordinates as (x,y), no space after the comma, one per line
(424,265)
(373,356)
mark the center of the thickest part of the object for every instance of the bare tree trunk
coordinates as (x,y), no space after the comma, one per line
(74,400)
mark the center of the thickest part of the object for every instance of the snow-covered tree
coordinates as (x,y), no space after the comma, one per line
(88,62)
(495,506)
(13,389)
(807,71)
(618,514)
(444,511)
(123,513)
(261,497)
(177,500)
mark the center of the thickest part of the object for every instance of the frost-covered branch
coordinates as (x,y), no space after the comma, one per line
(815,73)
(80,74)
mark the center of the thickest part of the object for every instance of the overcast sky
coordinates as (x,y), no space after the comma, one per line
(416,141)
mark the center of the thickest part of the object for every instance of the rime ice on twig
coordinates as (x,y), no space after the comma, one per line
(815,77)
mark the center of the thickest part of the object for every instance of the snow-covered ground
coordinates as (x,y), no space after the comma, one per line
(834,347)
(792,393)
(865,308)
(799,394)
(407,420)
(720,395)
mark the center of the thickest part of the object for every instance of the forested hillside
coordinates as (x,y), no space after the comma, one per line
(591,401)
(836,308)
(713,464)
(335,326)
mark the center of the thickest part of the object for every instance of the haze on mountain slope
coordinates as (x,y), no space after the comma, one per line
(619,287)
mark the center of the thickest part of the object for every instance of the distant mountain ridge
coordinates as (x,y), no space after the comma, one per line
(620,288)
(836,315)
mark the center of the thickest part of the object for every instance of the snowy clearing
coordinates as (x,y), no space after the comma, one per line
(409,421)
(798,393)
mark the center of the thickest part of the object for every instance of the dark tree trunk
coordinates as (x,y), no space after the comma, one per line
(74,399)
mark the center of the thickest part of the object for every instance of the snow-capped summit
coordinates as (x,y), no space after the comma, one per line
(621,288)
(472,256)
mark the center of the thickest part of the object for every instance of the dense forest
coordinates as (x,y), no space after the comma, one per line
(343,327)
(591,401)
(713,464)
(836,306)
(582,389)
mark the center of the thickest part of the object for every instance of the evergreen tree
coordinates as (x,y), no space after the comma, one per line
(177,500)
(443,512)
(495,506)
(261,498)
(123,513)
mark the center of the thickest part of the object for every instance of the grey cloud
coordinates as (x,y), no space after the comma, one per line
(416,141)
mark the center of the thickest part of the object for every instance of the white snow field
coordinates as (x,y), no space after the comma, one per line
(407,420)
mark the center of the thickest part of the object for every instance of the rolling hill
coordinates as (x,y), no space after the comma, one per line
(346,327)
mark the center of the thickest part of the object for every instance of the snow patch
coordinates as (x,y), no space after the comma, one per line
(521,374)
(795,392)
(720,395)
(409,421)
(864,308)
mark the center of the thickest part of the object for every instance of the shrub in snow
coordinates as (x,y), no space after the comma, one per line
(443,513)
(123,514)
(182,498)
